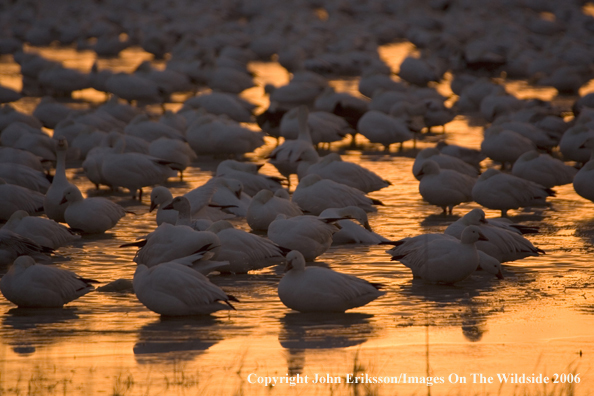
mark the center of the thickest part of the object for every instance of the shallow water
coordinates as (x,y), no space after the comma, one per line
(539,319)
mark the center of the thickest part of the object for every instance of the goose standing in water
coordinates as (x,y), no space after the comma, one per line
(309,235)
(91,215)
(173,289)
(318,289)
(266,205)
(496,190)
(287,156)
(51,204)
(31,285)
(444,260)
(350,232)
(445,188)
(133,170)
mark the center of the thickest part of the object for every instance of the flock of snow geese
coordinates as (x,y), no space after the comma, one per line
(126,145)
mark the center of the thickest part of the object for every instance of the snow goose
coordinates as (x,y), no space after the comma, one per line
(8,95)
(172,289)
(445,260)
(350,232)
(324,127)
(505,146)
(228,79)
(21,157)
(229,195)
(221,103)
(169,242)
(133,170)
(168,81)
(44,232)
(543,169)
(161,197)
(24,176)
(9,115)
(583,182)
(221,136)
(142,127)
(203,204)
(244,251)
(318,289)
(540,137)
(50,112)
(131,87)
(294,94)
(334,168)
(178,154)
(502,244)
(264,208)
(182,208)
(445,188)
(437,114)
(13,245)
(308,234)
(572,143)
(31,285)
(287,156)
(91,215)
(121,111)
(444,161)
(51,204)
(247,174)
(13,198)
(24,137)
(496,190)
(470,156)
(314,194)
(381,128)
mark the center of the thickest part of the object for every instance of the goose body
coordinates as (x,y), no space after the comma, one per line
(247,174)
(91,215)
(444,161)
(351,232)
(31,285)
(13,198)
(444,188)
(543,169)
(44,232)
(314,194)
(317,289)
(583,182)
(309,235)
(173,289)
(381,128)
(264,208)
(55,193)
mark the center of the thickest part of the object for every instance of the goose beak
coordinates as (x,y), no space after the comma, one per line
(63,201)
(482,237)
(499,275)
(153,206)
(289,266)
(238,194)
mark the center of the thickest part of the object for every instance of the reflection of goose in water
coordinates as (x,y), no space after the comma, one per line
(328,331)
(26,329)
(175,339)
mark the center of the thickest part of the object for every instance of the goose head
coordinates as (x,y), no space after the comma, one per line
(235,186)
(355,213)
(295,261)
(472,234)
(62,144)
(490,265)
(475,217)
(23,262)
(16,217)
(181,204)
(159,196)
(429,167)
(71,194)
(263,196)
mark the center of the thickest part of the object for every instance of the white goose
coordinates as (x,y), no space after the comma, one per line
(91,215)
(444,260)
(173,289)
(31,285)
(318,289)
(142,127)
(287,156)
(178,154)
(51,204)
(44,232)
(264,208)
(244,251)
(505,146)
(543,169)
(445,188)
(314,194)
(183,209)
(133,170)
(161,197)
(496,190)
(21,157)
(308,234)
(583,182)
(502,244)
(381,128)
(24,176)
(247,174)
(334,168)
(350,232)
(13,245)
(169,242)
(13,198)
(444,161)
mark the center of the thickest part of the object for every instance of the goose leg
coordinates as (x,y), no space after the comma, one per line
(140,195)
